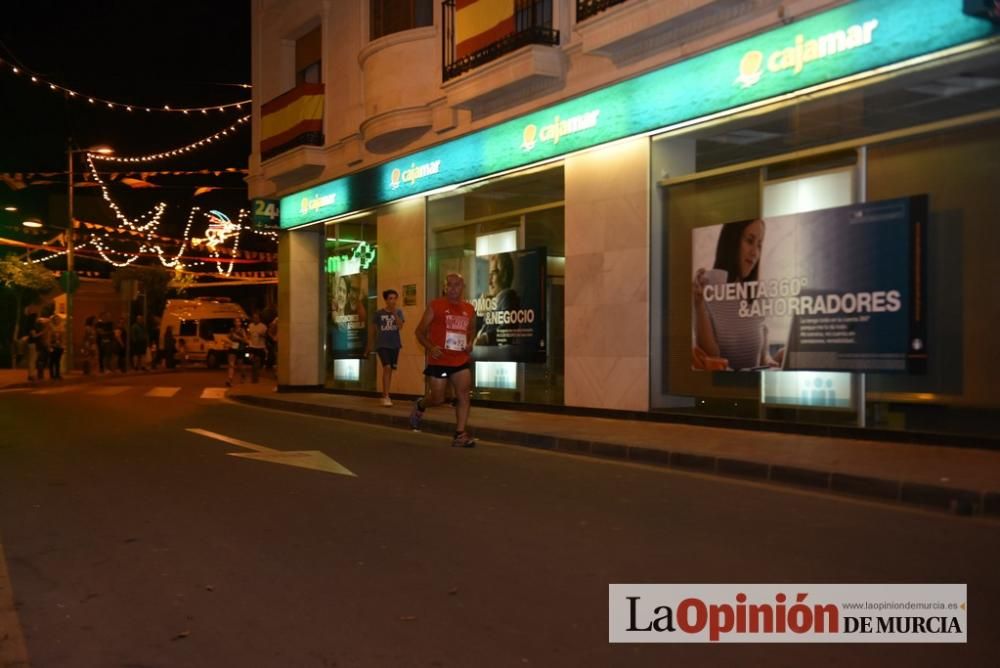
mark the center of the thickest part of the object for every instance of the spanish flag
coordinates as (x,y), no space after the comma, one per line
(290,115)
(479,23)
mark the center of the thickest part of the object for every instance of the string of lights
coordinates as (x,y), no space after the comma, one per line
(154,214)
(173,152)
(271,234)
(115,105)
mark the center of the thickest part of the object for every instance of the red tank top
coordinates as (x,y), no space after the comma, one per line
(449,331)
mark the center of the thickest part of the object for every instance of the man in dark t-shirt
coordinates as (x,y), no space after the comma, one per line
(389,321)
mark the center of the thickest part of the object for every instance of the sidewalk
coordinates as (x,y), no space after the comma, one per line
(958,480)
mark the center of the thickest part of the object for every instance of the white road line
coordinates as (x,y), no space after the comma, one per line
(213,393)
(230,440)
(111,390)
(60,390)
(165,392)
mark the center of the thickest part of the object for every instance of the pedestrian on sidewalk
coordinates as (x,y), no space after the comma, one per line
(89,351)
(272,346)
(105,342)
(30,342)
(256,337)
(120,342)
(389,321)
(237,348)
(56,346)
(446,332)
(140,340)
(43,342)
(169,352)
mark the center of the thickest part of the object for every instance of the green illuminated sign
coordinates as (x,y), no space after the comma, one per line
(851,39)
(362,256)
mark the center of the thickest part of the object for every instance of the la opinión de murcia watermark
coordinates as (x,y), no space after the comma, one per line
(776,613)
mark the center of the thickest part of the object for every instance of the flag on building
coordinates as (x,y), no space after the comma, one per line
(291,115)
(479,23)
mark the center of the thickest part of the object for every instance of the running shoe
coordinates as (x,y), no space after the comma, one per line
(463,440)
(386,401)
(416,415)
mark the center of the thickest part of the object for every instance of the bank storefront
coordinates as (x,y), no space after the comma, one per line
(795,227)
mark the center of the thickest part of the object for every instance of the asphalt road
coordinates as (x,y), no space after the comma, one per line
(132,541)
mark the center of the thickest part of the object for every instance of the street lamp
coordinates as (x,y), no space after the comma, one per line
(70,152)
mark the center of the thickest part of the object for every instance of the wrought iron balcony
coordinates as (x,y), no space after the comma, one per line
(587,8)
(530,24)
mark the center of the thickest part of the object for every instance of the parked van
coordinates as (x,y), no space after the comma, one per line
(201,328)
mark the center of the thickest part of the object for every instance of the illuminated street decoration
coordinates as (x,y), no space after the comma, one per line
(220,228)
(173,152)
(112,104)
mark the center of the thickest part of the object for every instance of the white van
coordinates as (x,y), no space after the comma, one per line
(201,328)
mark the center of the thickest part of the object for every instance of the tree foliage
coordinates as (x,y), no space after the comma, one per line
(28,282)
(25,276)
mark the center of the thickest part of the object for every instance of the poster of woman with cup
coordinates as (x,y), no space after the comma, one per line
(724,339)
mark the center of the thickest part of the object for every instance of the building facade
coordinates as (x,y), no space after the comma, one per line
(773,211)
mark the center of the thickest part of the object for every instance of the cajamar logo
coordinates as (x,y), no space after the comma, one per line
(413,174)
(804,51)
(557,129)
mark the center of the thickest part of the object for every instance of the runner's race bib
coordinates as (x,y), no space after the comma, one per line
(454,341)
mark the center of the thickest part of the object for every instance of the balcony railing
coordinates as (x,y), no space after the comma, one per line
(294,118)
(532,24)
(587,8)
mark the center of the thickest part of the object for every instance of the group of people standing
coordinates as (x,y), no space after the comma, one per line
(114,347)
(45,343)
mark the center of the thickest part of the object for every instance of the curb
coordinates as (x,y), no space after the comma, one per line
(956,501)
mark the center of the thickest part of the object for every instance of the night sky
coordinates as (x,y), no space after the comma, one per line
(179,52)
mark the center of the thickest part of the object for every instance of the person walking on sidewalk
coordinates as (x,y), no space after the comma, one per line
(43,345)
(56,347)
(238,341)
(106,343)
(169,352)
(120,334)
(256,336)
(272,346)
(88,351)
(140,340)
(446,332)
(387,344)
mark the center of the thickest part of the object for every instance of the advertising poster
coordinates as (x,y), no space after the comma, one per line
(509,298)
(838,289)
(348,319)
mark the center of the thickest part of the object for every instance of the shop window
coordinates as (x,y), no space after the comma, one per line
(392,16)
(351,291)
(507,238)
(921,133)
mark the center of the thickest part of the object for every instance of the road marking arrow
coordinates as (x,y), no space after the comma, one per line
(307,459)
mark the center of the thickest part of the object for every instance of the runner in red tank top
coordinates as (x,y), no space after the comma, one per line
(446,332)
